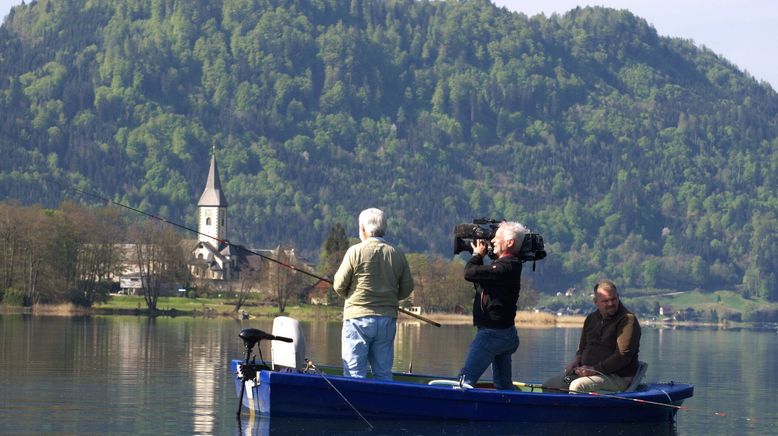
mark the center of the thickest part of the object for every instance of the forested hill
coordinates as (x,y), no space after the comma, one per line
(646,159)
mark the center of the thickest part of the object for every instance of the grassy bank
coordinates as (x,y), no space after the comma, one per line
(723,302)
(210,307)
(214,307)
(224,307)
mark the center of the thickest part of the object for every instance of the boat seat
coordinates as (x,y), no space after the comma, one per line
(288,355)
(638,378)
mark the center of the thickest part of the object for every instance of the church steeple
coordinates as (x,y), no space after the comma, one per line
(212,207)
(212,194)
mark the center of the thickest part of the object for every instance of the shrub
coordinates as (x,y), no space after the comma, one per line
(762,315)
(14,297)
(78,298)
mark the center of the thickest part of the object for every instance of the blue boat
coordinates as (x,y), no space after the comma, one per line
(296,389)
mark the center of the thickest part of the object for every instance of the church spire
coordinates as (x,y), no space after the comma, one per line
(212,194)
(212,208)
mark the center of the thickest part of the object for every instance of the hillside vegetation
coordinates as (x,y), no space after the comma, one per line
(642,158)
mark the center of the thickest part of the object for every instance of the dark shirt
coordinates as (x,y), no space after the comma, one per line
(610,345)
(497,290)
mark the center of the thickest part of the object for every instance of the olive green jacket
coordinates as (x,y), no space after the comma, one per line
(373,277)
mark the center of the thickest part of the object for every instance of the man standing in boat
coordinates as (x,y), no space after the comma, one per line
(373,277)
(607,356)
(494,306)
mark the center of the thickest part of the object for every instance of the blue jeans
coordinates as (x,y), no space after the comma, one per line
(369,339)
(491,347)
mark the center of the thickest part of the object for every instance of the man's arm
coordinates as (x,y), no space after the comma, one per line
(576,362)
(406,280)
(627,343)
(476,271)
(342,281)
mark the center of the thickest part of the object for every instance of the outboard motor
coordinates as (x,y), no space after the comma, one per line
(288,354)
(247,371)
(250,338)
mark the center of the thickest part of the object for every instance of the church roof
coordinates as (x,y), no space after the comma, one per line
(212,194)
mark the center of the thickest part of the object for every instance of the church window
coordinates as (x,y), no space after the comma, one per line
(208,221)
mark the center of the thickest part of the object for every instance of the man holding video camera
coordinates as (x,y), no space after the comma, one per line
(494,306)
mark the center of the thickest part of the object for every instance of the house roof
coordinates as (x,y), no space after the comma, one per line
(209,248)
(322,284)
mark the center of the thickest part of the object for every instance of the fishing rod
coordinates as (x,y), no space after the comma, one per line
(598,394)
(224,241)
(720,414)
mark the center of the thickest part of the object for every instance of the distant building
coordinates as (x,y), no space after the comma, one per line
(415,309)
(128,274)
(217,261)
(213,261)
(130,284)
(320,293)
(213,258)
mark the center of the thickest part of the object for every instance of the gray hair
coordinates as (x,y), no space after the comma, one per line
(373,221)
(606,286)
(515,231)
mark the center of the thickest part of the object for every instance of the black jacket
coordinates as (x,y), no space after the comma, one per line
(497,290)
(611,345)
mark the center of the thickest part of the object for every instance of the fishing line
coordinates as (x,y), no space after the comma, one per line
(224,241)
(310,365)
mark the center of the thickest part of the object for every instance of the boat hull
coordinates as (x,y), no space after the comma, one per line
(315,395)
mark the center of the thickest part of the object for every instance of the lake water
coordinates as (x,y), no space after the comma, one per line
(134,375)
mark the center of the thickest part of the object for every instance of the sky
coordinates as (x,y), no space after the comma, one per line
(741,31)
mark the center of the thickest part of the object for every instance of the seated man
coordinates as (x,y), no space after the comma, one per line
(607,356)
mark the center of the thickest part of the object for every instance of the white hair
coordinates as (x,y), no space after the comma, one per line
(515,231)
(373,221)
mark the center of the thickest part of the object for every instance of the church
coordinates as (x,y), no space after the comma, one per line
(216,264)
(213,258)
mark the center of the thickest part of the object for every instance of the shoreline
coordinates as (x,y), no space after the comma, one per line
(524,319)
(311,313)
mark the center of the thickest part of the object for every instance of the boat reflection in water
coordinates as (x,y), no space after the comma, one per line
(265,425)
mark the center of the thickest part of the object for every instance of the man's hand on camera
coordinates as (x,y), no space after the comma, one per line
(479,247)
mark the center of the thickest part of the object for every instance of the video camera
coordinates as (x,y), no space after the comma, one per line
(532,247)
